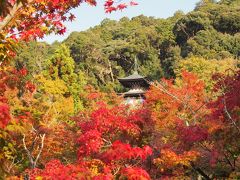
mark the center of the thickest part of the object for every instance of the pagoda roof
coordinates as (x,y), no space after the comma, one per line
(134,76)
(134,79)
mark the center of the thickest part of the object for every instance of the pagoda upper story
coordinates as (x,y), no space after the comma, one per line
(136,84)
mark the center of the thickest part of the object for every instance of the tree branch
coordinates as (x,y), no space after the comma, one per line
(10,16)
(29,154)
(183,101)
(13,13)
(229,162)
(229,115)
(203,174)
(40,151)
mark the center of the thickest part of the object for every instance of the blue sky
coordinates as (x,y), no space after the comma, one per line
(88,16)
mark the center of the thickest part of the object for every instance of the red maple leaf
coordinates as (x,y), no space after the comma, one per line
(121,6)
(132,3)
(110,9)
(108,3)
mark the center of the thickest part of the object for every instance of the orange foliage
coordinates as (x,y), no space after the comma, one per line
(169,159)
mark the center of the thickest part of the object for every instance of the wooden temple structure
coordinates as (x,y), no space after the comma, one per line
(136,85)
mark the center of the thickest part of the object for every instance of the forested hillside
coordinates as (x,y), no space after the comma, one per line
(60,115)
(107,51)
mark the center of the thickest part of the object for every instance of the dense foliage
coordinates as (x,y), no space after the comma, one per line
(60,117)
(107,51)
(31,19)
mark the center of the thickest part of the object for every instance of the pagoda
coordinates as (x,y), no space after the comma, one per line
(137,86)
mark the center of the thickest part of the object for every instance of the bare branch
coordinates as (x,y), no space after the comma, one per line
(13,163)
(229,115)
(40,151)
(116,171)
(228,161)
(199,171)
(29,154)
(33,143)
(13,13)
(108,143)
(10,16)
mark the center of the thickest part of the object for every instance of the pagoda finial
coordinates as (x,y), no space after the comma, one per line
(135,65)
